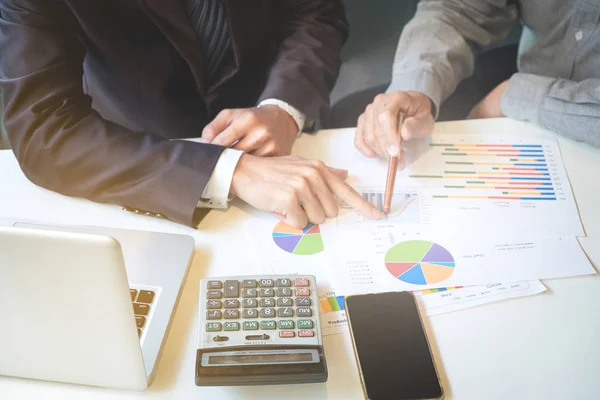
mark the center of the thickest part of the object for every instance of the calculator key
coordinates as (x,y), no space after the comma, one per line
(248,293)
(305,324)
(133,293)
(268,325)
(287,334)
(267,313)
(232,303)
(267,283)
(232,326)
(141,309)
(250,313)
(303,301)
(140,321)
(285,312)
(213,304)
(213,327)
(269,302)
(249,283)
(145,296)
(284,282)
(250,325)
(303,291)
(267,292)
(232,289)
(232,314)
(286,324)
(304,311)
(214,285)
(301,282)
(249,303)
(213,314)
(214,294)
(284,292)
(306,333)
(285,302)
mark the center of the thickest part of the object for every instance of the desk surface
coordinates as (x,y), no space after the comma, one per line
(545,346)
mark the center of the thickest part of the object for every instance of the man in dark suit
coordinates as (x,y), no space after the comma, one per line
(93,91)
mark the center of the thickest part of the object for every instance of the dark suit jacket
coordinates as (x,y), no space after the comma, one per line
(144,76)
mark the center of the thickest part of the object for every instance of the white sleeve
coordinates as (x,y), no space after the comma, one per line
(296,115)
(216,192)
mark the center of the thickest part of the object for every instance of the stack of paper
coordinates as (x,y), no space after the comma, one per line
(470,211)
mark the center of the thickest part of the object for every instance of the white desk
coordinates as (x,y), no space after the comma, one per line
(542,347)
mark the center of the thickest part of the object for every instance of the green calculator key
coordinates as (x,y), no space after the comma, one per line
(250,325)
(213,327)
(232,326)
(305,324)
(286,324)
(268,325)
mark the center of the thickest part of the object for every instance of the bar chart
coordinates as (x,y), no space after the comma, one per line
(511,171)
(493,183)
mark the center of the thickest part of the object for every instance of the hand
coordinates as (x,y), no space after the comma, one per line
(296,190)
(262,131)
(489,107)
(377,130)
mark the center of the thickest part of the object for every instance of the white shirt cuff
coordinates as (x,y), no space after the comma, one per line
(296,115)
(216,192)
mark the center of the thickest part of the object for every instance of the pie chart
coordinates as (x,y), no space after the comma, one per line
(303,242)
(419,262)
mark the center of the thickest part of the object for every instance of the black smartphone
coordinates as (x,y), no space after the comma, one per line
(391,348)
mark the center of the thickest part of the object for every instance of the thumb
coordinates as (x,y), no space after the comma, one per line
(219,124)
(417,127)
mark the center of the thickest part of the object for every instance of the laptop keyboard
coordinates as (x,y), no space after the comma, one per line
(144,300)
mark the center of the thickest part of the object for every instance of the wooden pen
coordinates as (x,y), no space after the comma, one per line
(391,173)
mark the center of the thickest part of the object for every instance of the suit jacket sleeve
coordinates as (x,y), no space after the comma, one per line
(64,145)
(309,57)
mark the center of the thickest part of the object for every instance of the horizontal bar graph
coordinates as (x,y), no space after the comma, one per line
(493,197)
(493,171)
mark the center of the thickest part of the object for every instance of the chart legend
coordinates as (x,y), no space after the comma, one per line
(419,262)
(305,241)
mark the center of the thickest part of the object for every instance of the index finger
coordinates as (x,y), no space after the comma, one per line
(346,193)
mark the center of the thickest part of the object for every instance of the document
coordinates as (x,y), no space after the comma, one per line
(392,259)
(501,184)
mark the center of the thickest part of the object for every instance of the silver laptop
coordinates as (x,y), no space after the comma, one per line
(87,305)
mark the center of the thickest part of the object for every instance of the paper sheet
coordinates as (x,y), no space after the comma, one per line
(270,258)
(433,302)
(502,184)
(391,259)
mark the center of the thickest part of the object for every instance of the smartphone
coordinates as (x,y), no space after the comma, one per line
(391,348)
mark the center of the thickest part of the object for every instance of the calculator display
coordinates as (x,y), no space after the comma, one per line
(260,358)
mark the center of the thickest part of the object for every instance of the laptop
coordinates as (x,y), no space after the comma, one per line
(87,305)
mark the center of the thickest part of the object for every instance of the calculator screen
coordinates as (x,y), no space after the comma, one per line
(260,358)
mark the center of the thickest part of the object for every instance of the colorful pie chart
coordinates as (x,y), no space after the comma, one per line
(419,262)
(303,242)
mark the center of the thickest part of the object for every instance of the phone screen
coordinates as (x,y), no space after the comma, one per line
(394,356)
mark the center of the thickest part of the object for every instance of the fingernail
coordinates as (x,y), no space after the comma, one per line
(393,151)
(376,213)
(401,165)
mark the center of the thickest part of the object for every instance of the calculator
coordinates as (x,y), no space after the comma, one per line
(259,330)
